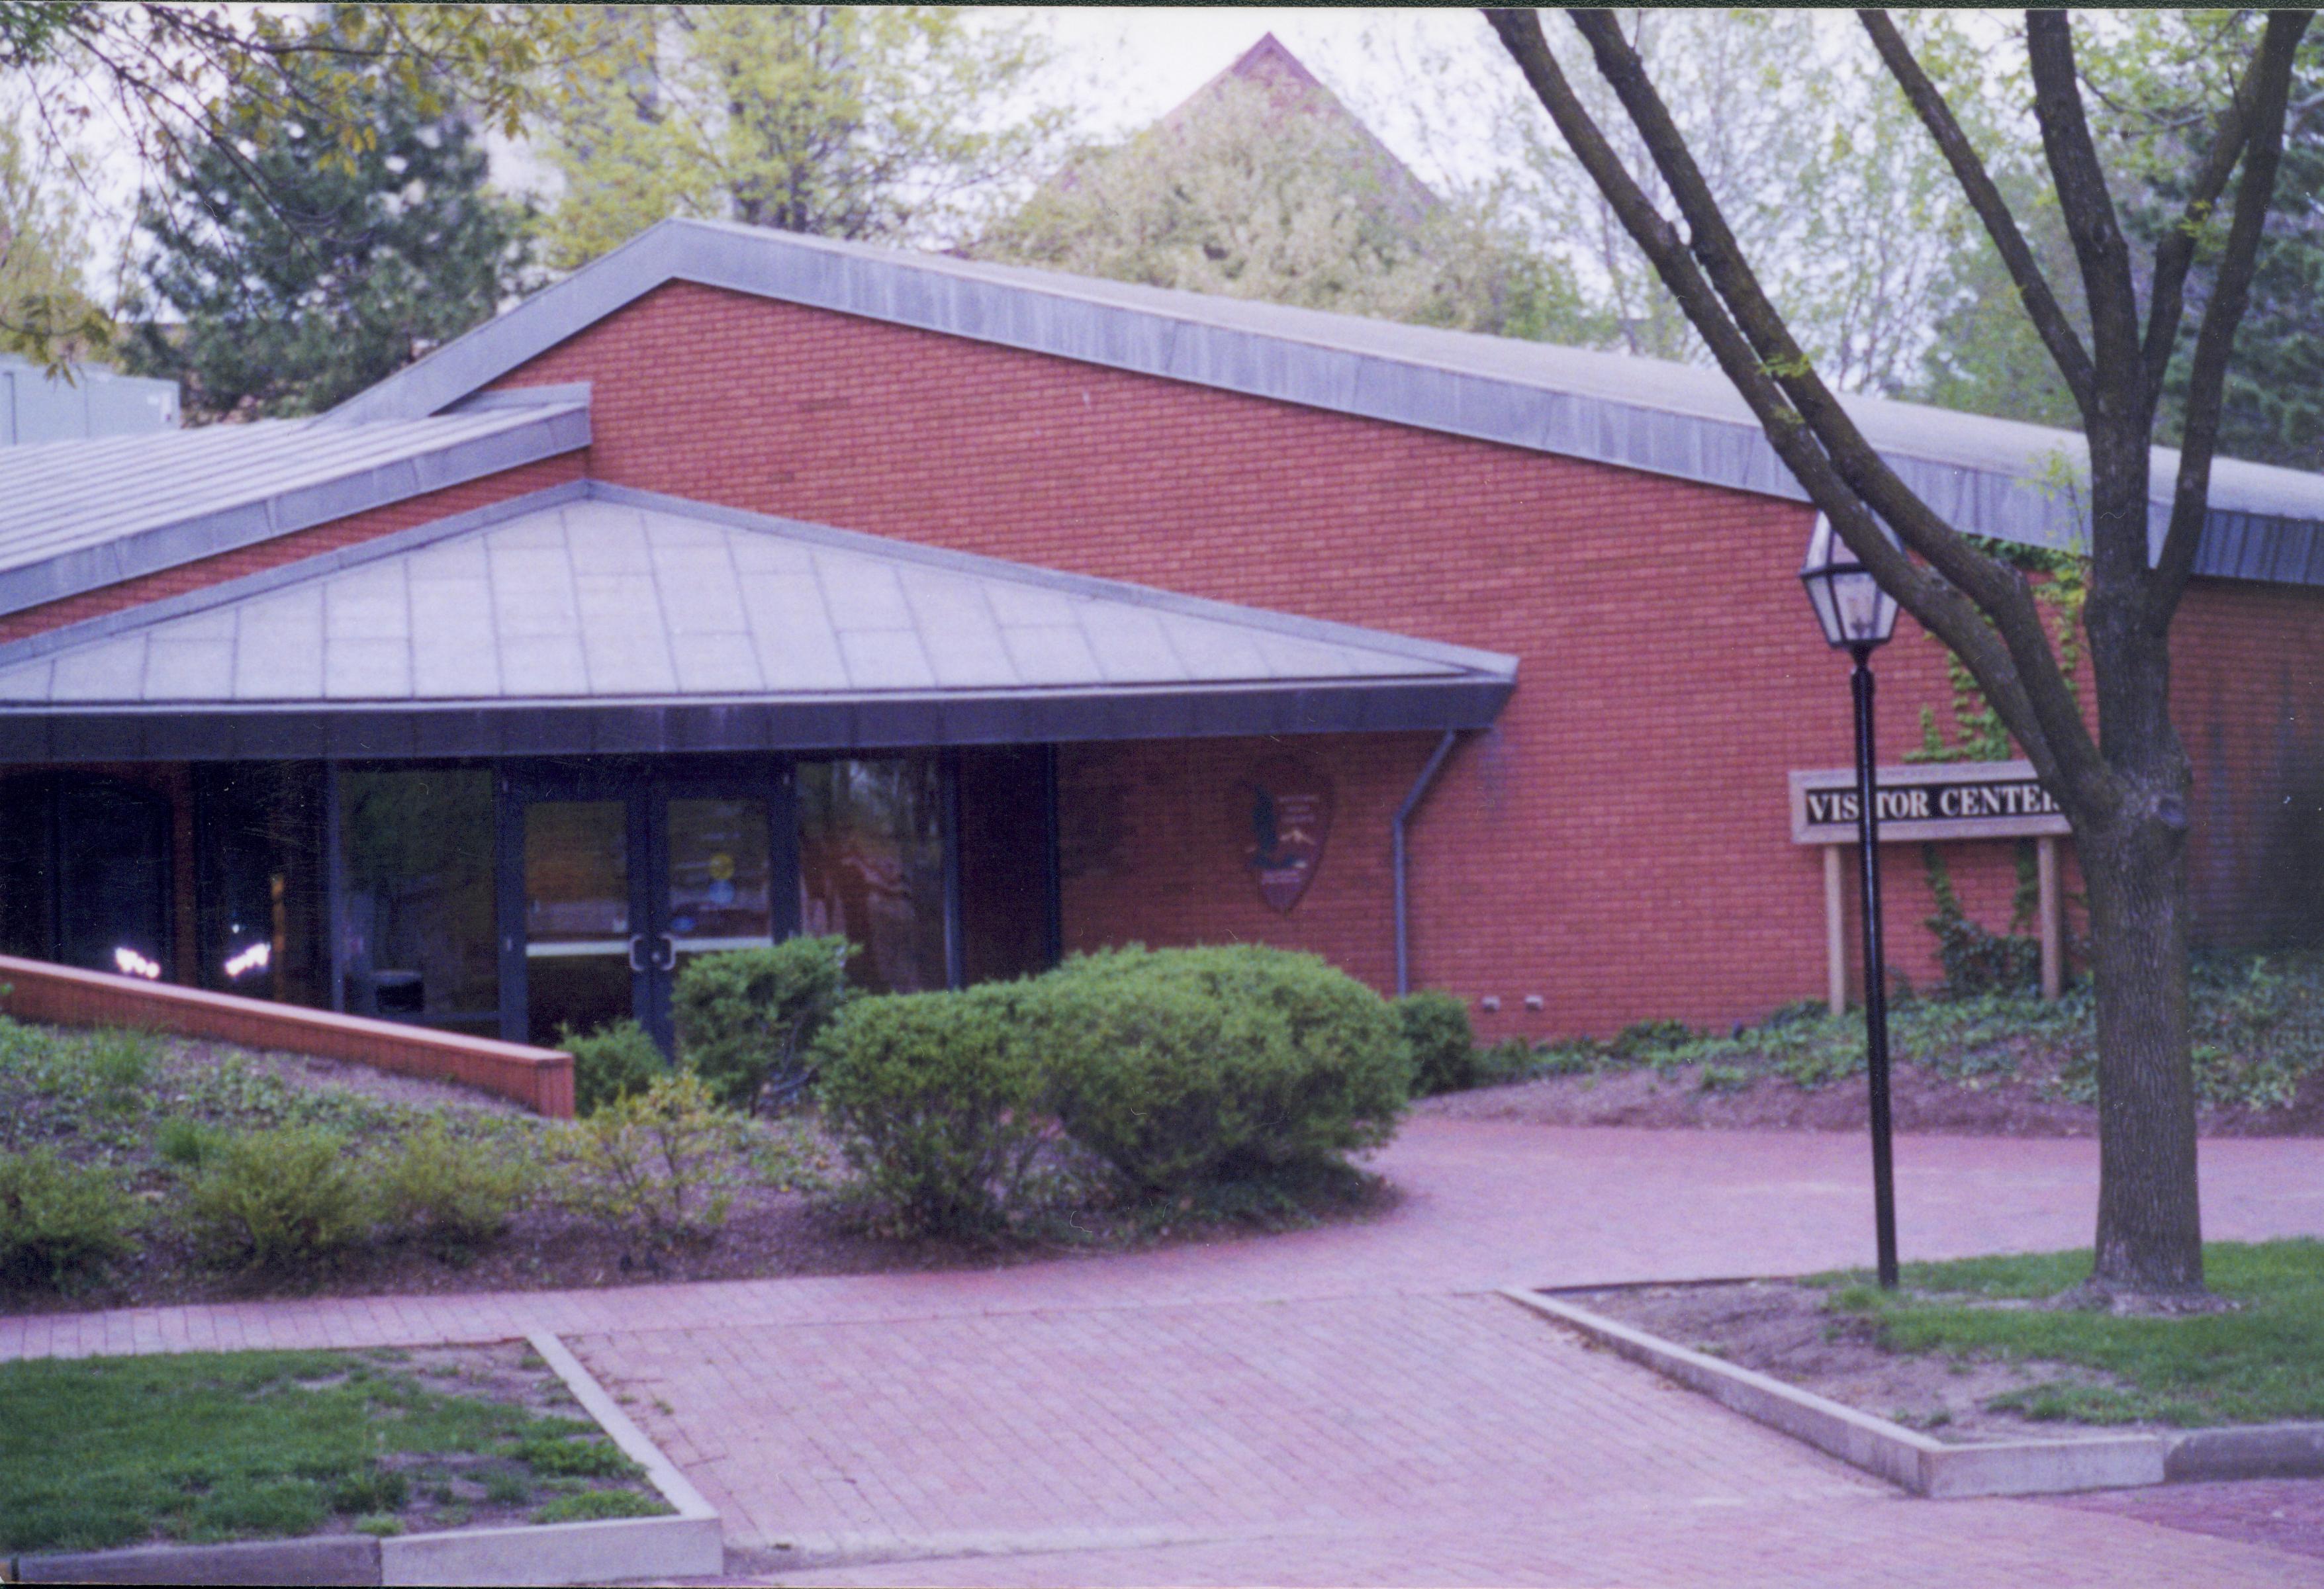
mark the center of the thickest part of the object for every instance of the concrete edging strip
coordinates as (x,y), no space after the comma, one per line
(689,1544)
(1904,1457)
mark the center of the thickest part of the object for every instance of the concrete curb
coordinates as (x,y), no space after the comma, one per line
(1904,1457)
(342,1559)
(686,1544)
(2261,1451)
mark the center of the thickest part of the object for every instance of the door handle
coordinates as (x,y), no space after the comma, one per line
(669,960)
(637,946)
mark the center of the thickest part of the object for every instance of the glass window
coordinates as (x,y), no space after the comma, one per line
(262,896)
(417,853)
(871,865)
(85,873)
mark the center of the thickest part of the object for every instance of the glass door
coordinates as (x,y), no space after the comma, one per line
(585,953)
(611,881)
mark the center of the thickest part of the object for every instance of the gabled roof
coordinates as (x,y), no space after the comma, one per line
(1995,477)
(78,515)
(591,617)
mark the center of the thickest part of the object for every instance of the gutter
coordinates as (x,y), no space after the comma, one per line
(1420,789)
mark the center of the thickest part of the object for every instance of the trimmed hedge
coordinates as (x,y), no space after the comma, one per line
(1176,1068)
(747,1018)
(616,1061)
(1189,1066)
(1436,1029)
(935,1101)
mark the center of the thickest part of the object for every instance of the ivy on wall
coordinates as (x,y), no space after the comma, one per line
(1975,961)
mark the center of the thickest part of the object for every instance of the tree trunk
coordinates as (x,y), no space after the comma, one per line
(2134,862)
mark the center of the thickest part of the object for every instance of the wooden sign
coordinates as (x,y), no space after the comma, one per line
(1931,803)
(1283,811)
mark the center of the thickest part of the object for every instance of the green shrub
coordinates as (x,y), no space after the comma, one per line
(617,1061)
(655,1164)
(1435,1026)
(1512,1058)
(935,1101)
(747,1017)
(456,1194)
(59,1222)
(278,1198)
(187,1143)
(1181,1067)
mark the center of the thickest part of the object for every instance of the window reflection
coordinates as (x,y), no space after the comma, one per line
(871,865)
(417,857)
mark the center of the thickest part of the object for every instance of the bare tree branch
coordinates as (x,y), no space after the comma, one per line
(2033,290)
(2270,79)
(2086,206)
(2176,252)
(2053,736)
(2026,681)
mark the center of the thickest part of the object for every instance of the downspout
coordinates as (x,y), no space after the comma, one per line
(1404,814)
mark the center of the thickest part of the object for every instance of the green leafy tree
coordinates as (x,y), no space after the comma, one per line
(180,81)
(902,122)
(43,238)
(1251,191)
(1816,162)
(323,272)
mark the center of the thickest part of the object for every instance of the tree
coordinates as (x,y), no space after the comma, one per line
(1255,191)
(2125,788)
(1830,185)
(305,265)
(43,239)
(903,122)
(178,78)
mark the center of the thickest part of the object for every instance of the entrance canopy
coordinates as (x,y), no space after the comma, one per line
(591,618)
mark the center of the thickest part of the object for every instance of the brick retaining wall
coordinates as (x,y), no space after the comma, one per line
(539,1079)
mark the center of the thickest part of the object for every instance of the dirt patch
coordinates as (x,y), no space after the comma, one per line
(1782,1329)
(1924,1102)
(184,1058)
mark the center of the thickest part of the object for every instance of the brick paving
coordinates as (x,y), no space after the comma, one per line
(1345,1405)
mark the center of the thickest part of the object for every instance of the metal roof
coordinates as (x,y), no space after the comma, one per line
(591,617)
(1995,477)
(78,515)
(87,400)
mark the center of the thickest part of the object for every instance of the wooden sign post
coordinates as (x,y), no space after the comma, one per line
(1939,803)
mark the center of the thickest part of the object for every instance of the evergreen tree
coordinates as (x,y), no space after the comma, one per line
(300,271)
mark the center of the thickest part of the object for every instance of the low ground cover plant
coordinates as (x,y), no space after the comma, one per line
(60,1223)
(98,1453)
(1168,1072)
(658,1163)
(2258,1024)
(278,1198)
(2262,1361)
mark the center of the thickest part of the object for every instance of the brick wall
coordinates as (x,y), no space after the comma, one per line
(1618,843)
(2247,693)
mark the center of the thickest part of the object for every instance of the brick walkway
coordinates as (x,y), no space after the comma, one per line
(1335,1406)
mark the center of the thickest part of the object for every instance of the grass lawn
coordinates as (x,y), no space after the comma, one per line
(2262,1363)
(117,1451)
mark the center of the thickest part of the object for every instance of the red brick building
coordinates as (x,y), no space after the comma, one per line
(746,583)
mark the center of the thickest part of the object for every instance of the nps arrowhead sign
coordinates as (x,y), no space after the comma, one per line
(1931,803)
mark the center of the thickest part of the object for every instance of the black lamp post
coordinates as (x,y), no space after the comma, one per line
(1858,616)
